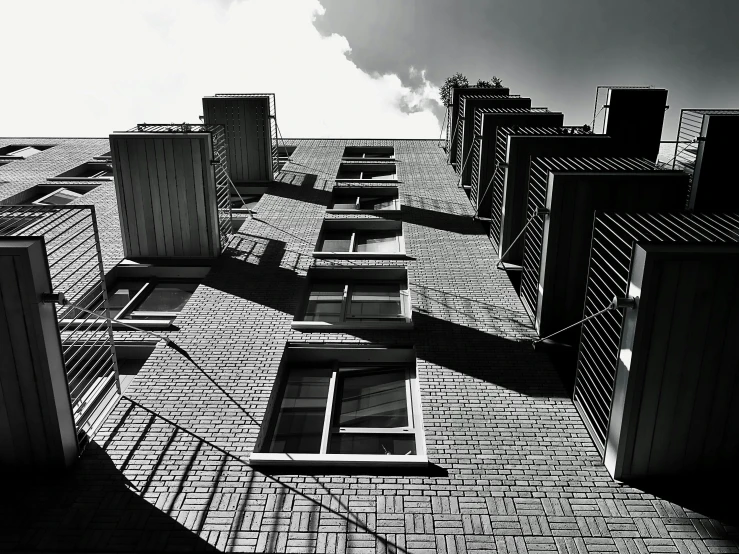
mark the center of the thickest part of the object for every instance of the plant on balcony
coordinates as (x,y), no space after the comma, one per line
(457,80)
(460,81)
(494,82)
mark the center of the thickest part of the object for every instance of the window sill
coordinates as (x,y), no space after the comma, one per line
(365,212)
(264,459)
(362,255)
(79,179)
(338,180)
(394,324)
(355,159)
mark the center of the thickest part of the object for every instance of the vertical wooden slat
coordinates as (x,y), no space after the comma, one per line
(129,216)
(178,182)
(156,195)
(165,194)
(168,179)
(30,441)
(656,359)
(679,341)
(199,183)
(115,152)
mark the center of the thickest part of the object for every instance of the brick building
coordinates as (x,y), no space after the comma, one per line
(487,451)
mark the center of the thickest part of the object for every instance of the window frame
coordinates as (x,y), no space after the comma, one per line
(56,190)
(336,362)
(349,278)
(364,192)
(362,167)
(360,227)
(368,149)
(13,154)
(117,317)
(103,164)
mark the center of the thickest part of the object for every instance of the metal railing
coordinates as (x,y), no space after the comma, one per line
(72,242)
(601,108)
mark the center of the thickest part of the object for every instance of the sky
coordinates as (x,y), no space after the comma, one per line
(349,68)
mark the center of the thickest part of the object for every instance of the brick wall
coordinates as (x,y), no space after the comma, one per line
(512,467)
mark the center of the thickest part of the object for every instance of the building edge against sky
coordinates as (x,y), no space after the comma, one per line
(353,372)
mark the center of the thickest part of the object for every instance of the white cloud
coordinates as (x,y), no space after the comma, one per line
(90,67)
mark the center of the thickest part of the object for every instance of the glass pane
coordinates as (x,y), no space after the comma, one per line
(378,155)
(375,301)
(372,400)
(122,295)
(348,173)
(379,174)
(61,197)
(25,152)
(355,443)
(167,297)
(346,203)
(376,203)
(299,423)
(336,241)
(324,302)
(378,242)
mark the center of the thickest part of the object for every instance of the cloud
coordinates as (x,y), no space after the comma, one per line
(87,68)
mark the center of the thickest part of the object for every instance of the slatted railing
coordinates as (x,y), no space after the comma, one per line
(501,152)
(480,185)
(536,199)
(614,236)
(76,268)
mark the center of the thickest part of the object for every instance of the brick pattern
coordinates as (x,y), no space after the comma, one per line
(513,469)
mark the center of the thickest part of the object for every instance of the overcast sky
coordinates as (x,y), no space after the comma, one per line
(342,68)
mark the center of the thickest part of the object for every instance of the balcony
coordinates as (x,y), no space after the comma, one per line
(172,190)
(250,124)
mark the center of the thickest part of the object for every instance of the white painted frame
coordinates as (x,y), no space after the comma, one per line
(415,426)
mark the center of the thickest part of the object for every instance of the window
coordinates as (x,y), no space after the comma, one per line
(364,200)
(373,172)
(89,170)
(58,197)
(344,411)
(144,303)
(22,151)
(359,242)
(369,152)
(356,302)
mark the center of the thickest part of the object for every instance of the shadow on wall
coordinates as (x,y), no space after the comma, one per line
(302,187)
(446,335)
(92,507)
(155,486)
(453,223)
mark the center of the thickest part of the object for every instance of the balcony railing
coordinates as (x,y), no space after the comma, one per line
(72,242)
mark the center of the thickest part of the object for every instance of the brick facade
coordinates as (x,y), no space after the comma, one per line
(512,470)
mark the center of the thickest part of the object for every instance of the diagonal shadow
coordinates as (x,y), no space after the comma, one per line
(453,223)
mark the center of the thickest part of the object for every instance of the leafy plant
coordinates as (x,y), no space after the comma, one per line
(494,82)
(457,80)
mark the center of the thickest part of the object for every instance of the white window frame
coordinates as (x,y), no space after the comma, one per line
(393,197)
(99,176)
(351,253)
(164,319)
(363,157)
(415,424)
(347,321)
(40,201)
(362,167)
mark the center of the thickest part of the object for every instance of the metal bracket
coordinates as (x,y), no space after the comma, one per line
(53,298)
